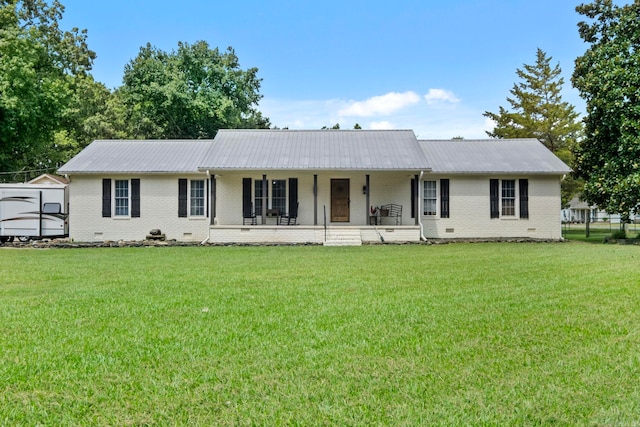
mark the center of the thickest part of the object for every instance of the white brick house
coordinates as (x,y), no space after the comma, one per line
(314,186)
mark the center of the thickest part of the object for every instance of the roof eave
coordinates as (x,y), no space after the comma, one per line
(498,172)
(301,169)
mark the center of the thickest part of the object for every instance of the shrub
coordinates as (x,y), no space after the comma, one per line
(619,234)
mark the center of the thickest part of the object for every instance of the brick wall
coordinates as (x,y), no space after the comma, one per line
(470,210)
(158,209)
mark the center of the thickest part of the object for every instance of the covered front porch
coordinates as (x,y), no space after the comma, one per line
(316,209)
(307,207)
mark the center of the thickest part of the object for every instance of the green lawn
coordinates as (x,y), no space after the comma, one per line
(459,334)
(597,231)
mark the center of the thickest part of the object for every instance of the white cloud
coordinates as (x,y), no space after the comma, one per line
(489,124)
(380,105)
(435,96)
(381,125)
(425,120)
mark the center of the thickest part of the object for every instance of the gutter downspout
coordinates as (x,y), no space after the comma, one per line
(211,213)
(418,214)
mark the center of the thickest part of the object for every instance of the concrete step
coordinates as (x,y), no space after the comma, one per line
(345,237)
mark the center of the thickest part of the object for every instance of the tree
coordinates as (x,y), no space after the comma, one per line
(607,76)
(334,127)
(38,65)
(189,93)
(93,112)
(538,111)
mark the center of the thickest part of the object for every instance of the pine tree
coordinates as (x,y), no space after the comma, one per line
(537,111)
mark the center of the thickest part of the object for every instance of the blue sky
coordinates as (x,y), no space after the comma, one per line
(430,66)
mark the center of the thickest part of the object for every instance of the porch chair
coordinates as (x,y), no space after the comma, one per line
(249,215)
(290,218)
(391,211)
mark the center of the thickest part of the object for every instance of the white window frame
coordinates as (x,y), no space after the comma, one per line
(282,209)
(271,184)
(508,200)
(257,198)
(193,209)
(116,198)
(431,197)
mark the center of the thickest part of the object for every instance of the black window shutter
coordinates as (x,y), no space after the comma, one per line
(494,194)
(293,197)
(106,198)
(444,198)
(524,198)
(182,198)
(246,197)
(413,197)
(205,198)
(135,198)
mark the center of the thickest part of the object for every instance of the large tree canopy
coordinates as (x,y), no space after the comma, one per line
(38,65)
(608,78)
(538,111)
(189,93)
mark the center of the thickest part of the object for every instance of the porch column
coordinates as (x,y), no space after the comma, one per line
(315,199)
(417,196)
(264,199)
(368,200)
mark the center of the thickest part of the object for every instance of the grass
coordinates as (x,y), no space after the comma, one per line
(461,334)
(598,232)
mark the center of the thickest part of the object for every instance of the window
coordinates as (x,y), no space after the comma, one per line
(51,208)
(191,198)
(121,197)
(430,198)
(431,194)
(258,196)
(254,192)
(126,199)
(504,198)
(279,195)
(197,197)
(508,197)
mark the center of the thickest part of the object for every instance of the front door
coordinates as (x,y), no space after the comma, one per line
(340,200)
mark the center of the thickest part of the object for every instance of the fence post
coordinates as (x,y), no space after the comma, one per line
(587,224)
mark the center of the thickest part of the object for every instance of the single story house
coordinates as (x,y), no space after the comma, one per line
(579,211)
(314,186)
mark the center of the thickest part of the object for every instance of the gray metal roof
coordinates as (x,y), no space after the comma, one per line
(492,156)
(135,156)
(576,203)
(316,150)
